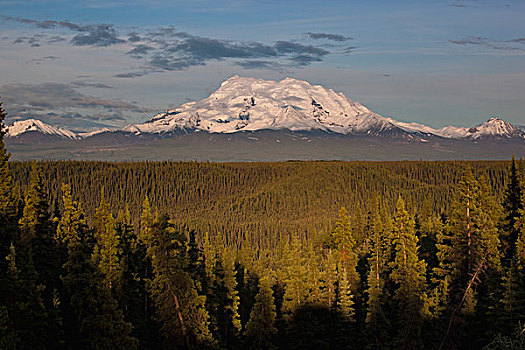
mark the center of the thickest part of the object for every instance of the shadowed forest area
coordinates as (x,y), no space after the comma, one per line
(292,255)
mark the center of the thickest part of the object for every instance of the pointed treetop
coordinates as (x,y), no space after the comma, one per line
(72,224)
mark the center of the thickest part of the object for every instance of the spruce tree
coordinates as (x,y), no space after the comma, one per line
(30,321)
(346,247)
(473,237)
(513,300)
(232,298)
(107,252)
(345,302)
(313,279)
(98,322)
(185,321)
(295,277)
(36,233)
(408,273)
(512,209)
(143,239)
(39,264)
(210,259)
(260,330)
(329,278)
(468,255)
(146,221)
(377,323)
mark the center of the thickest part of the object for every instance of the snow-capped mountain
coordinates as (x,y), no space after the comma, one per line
(493,128)
(21,127)
(251,104)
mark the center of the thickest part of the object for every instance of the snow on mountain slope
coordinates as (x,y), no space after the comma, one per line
(91,133)
(252,104)
(493,128)
(413,127)
(33,125)
(249,104)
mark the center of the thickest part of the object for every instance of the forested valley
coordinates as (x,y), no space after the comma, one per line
(291,255)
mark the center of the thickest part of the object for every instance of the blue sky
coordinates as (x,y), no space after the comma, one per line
(86,64)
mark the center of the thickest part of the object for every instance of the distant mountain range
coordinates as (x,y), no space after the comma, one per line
(250,107)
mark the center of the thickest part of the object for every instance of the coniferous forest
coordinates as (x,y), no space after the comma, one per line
(293,255)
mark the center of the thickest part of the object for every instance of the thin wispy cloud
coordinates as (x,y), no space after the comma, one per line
(81,83)
(168,49)
(327,36)
(91,34)
(503,45)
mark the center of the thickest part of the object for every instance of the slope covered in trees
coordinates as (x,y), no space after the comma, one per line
(259,200)
(262,255)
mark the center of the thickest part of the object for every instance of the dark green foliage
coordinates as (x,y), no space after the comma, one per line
(512,207)
(178,305)
(408,274)
(257,256)
(99,323)
(259,200)
(260,330)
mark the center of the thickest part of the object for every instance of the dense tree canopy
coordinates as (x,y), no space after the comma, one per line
(262,255)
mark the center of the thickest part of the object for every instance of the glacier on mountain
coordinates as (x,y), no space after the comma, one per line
(253,104)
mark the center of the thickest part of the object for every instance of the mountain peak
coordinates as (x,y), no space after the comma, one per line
(496,127)
(20,127)
(494,120)
(254,104)
(249,104)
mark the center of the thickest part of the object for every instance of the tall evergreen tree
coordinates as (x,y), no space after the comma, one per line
(295,277)
(408,273)
(329,279)
(346,246)
(24,304)
(30,319)
(146,222)
(231,308)
(468,248)
(107,252)
(99,323)
(513,300)
(36,231)
(512,209)
(178,305)
(39,263)
(345,303)
(377,324)
(260,330)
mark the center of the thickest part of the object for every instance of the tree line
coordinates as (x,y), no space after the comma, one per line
(389,274)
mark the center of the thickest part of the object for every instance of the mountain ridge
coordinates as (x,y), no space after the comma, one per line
(254,104)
